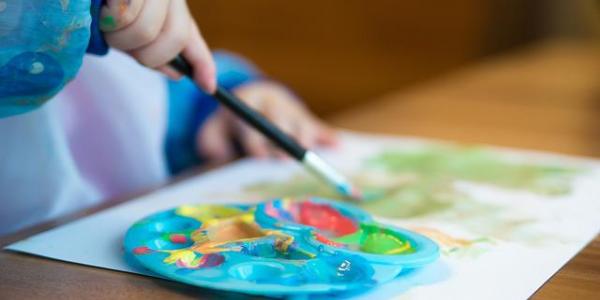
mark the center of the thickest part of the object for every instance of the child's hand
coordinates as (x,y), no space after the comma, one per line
(214,139)
(154,32)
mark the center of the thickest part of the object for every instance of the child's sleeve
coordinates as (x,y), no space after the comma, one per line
(189,107)
(42,43)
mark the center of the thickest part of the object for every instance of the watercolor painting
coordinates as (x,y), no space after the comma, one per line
(422,184)
(282,247)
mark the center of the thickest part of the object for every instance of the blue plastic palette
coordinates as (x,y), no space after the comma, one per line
(280,247)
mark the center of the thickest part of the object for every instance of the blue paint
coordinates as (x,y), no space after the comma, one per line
(345,189)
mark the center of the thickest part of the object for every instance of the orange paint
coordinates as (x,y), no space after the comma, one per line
(232,231)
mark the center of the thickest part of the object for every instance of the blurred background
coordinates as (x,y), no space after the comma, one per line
(338,53)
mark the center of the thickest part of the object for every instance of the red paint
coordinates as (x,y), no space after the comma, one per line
(326,218)
(141,250)
(178,238)
(327,241)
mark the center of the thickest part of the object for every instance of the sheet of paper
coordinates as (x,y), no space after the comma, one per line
(506,220)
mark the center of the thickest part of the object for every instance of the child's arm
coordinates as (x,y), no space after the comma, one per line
(279,105)
(199,131)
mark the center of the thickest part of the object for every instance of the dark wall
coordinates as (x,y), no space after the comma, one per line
(338,52)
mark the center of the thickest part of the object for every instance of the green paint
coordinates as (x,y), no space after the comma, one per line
(108,23)
(353,239)
(441,164)
(412,184)
(385,243)
(374,239)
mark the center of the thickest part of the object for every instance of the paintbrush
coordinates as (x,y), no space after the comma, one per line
(309,159)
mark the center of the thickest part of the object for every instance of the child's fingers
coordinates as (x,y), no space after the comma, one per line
(117,14)
(170,72)
(171,40)
(306,133)
(144,29)
(276,152)
(280,154)
(286,122)
(213,139)
(199,56)
(253,142)
(326,136)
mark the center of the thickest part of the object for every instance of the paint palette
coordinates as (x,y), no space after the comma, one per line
(281,247)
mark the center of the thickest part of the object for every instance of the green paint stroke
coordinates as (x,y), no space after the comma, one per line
(440,164)
(423,182)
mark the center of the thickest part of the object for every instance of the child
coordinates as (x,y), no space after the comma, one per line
(105,133)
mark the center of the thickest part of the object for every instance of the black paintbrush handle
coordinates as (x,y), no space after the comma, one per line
(180,64)
(251,116)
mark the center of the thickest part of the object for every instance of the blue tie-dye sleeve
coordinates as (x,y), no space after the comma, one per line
(42,43)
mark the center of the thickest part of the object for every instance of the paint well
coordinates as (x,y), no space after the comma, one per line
(376,240)
(325,218)
(233,230)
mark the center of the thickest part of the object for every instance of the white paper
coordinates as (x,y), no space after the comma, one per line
(506,252)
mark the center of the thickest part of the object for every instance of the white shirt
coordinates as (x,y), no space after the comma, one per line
(100,137)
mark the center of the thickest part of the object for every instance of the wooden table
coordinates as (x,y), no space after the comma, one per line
(545,97)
